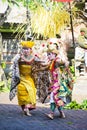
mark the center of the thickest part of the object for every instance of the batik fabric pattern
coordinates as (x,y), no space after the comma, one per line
(15,77)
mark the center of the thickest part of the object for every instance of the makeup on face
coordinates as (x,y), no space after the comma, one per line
(51,56)
(26,50)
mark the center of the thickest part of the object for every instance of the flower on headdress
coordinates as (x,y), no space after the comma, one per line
(43,45)
(50,42)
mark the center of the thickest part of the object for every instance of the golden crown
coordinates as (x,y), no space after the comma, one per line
(28,44)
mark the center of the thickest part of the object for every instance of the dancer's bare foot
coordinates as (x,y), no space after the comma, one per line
(26,112)
(62,115)
(50,115)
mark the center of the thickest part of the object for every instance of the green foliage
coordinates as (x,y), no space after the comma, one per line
(80,5)
(84,104)
(1,84)
(69,123)
(3,0)
(73,105)
(72,69)
(3,87)
(76,106)
(3,64)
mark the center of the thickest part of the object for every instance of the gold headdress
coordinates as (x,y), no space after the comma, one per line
(27,44)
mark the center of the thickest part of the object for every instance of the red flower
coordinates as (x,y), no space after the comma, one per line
(43,45)
(50,42)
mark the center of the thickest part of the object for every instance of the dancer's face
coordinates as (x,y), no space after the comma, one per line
(27,51)
(51,55)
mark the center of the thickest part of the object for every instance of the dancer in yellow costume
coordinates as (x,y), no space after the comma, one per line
(22,80)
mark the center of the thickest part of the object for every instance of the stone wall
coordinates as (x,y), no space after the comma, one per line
(10,49)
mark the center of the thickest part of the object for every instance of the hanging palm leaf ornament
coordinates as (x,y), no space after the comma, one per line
(50,21)
(48,18)
(70,17)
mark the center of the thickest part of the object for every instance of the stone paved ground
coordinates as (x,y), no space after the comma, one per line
(11,117)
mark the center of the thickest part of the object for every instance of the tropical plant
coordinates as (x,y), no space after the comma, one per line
(76,106)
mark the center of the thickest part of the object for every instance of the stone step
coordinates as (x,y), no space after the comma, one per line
(80,89)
